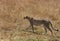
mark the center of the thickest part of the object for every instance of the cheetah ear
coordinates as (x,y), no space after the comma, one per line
(31,18)
(26,16)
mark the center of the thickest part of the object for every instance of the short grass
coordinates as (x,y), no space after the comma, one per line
(13,26)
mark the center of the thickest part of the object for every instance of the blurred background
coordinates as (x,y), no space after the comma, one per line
(12,24)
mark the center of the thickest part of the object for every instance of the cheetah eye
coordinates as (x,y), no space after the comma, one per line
(24,17)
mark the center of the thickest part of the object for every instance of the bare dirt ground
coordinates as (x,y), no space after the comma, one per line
(12,24)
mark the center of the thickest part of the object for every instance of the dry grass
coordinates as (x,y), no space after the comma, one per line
(12,24)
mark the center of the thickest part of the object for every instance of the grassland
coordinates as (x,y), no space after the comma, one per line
(12,24)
